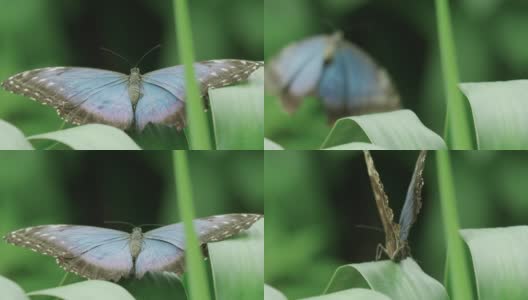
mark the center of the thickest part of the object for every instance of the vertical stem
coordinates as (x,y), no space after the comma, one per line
(457,115)
(198,285)
(457,264)
(196,118)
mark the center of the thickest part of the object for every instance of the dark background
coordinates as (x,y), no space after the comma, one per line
(50,33)
(401,36)
(320,202)
(89,188)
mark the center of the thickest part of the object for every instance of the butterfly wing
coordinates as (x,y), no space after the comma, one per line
(413,200)
(163,248)
(295,72)
(352,83)
(382,202)
(164,90)
(91,252)
(80,95)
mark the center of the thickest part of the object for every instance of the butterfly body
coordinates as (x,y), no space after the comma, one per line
(344,77)
(129,102)
(396,234)
(101,253)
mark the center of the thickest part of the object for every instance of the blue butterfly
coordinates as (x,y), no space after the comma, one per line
(347,80)
(396,235)
(84,95)
(100,253)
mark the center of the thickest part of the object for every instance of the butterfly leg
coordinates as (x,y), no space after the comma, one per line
(379,251)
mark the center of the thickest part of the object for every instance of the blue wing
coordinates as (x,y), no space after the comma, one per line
(80,95)
(352,84)
(163,248)
(413,200)
(296,71)
(163,100)
(92,252)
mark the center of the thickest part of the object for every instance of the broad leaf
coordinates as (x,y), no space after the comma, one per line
(270,145)
(87,290)
(396,130)
(91,137)
(400,281)
(272,294)
(10,290)
(238,114)
(356,146)
(11,138)
(500,261)
(352,294)
(500,113)
(238,265)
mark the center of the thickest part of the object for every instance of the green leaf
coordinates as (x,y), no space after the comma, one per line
(87,290)
(91,137)
(396,130)
(11,138)
(500,262)
(500,113)
(271,145)
(356,146)
(11,290)
(399,281)
(238,265)
(352,294)
(272,294)
(238,114)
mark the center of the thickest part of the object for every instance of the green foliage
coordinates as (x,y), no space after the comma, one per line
(402,281)
(238,114)
(499,111)
(393,130)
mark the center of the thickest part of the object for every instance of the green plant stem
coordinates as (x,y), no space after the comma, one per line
(458,124)
(61,283)
(198,285)
(56,143)
(457,264)
(198,127)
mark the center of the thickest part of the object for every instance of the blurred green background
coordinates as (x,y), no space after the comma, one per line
(50,33)
(320,202)
(401,35)
(90,188)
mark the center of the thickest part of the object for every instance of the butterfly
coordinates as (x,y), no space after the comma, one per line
(344,77)
(101,253)
(396,235)
(86,95)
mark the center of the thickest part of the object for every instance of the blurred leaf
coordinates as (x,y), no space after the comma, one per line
(270,145)
(392,130)
(11,138)
(238,265)
(11,290)
(356,146)
(238,114)
(509,41)
(352,294)
(500,262)
(88,290)
(500,113)
(91,137)
(273,294)
(404,280)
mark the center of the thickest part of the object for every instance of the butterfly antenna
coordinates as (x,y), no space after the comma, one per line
(148,52)
(119,222)
(117,54)
(153,225)
(369,227)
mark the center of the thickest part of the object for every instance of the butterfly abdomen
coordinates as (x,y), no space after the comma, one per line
(134,86)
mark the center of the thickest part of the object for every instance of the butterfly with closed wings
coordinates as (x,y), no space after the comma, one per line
(344,77)
(396,235)
(86,95)
(101,253)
